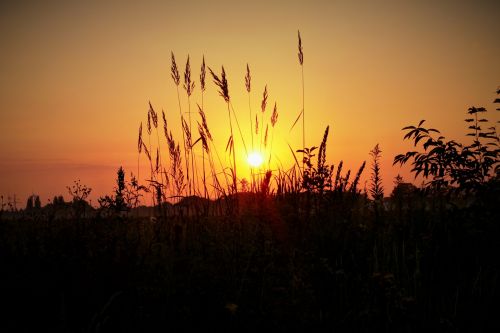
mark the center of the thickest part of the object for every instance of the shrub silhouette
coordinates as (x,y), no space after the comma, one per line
(316,179)
(450,163)
(126,196)
(79,194)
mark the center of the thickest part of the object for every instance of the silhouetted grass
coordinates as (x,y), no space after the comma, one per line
(423,264)
(303,249)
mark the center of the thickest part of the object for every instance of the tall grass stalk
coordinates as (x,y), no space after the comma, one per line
(206,139)
(263,105)
(176,77)
(204,142)
(151,121)
(189,87)
(206,130)
(248,81)
(139,149)
(232,148)
(274,120)
(159,163)
(224,93)
(248,86)
(239,128)
(202,88)
(165,131)
(301,61)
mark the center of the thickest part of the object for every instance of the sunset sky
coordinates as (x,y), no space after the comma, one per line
(76,78)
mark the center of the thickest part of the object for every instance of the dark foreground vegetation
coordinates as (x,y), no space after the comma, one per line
(296,250)
(420,262)
(316,255)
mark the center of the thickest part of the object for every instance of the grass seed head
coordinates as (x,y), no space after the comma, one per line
(204,123)
(188,85)
(139,141)
(185,127)
(274,116)
(165,129)
(202,75)
(175,71)
(248,79)
(154,115)
(146,150)
(203,138)
(221,83)
(149,123)
(264,100)
(301,53)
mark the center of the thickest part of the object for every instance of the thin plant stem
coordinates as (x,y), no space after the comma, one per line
(184,142)
(194,172)
(239,129)
(234,173)
(203,157)
(303,119)
(160,167)
(251,124)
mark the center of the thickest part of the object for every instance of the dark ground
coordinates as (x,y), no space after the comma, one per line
(421,264)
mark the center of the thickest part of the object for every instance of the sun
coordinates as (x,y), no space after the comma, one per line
(255,159)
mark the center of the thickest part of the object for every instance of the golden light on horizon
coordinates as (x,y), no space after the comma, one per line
(255,159)
(65,115)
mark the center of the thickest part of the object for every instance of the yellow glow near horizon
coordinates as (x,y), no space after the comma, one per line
(67,116)
(255,159)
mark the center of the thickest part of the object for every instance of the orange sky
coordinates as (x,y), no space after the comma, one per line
(76,78)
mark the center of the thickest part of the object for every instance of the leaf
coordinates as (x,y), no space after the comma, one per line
(194,143)
(229,143)
(296,120)
(421,122)
(410,134)
(472,110)
(399,159)
(420,137)
(428,143)
(295,157)
(437,151)
(419,171)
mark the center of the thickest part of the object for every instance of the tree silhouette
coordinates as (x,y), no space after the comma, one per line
(33,202)
(29,203)
(37,203)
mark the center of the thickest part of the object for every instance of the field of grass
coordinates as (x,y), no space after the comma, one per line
(420,264)
(301,249)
